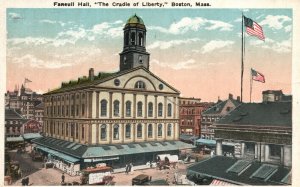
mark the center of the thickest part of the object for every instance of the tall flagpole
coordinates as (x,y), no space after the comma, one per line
(251,82)
(242,66)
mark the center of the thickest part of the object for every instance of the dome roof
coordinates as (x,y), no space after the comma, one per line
(135,20)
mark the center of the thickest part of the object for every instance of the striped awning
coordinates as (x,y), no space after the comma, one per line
(217,182)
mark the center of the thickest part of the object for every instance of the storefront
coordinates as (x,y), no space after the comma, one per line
(72,157)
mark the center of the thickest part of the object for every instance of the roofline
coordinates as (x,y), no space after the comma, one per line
(120,73)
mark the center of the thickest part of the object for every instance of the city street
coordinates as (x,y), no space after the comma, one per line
(38,175)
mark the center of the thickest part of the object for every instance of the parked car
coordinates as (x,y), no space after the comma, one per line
(141,179)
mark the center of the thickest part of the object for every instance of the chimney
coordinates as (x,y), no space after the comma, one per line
(91,74)
(230,96)
(238,98)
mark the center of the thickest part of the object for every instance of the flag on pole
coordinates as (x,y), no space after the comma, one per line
(257,76)
(27,80)
(253,28)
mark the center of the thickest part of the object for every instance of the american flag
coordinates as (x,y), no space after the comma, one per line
(253,28)
(257,76)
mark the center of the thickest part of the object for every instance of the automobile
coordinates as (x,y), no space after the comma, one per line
(157,182)
(141,179)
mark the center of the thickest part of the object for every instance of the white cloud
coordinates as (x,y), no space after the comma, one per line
(114,29)
(214,25)
(193,24)
(13,15)
(288,28)
(275,22)
(172,43)
(53,22)
(72,35)
(188,64)
(29,41)
(284,46)
(216,44)
(38,63)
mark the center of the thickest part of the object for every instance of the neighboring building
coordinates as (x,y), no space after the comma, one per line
(128,116)
(13,123)
(32,126)
(261,137)
(39,112)
(215,113)
(12,100)
(190,110)
(24,100)
(275,96)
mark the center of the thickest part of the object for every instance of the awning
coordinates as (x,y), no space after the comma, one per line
(134,148)
(206,142)
(15,139)
(58,154)
(217,182)
(187,137)
(29,136)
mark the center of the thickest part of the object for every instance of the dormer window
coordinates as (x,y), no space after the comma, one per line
(140,85)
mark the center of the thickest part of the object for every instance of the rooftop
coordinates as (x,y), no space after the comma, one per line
(12,114)
(242,172)
(82,81)
(217,108)
(266,114)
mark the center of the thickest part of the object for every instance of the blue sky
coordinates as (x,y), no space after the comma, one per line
(179,40)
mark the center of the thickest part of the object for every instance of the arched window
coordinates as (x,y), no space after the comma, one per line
(128,131)
(128,108)
(150,109)
(116,132)
(103,107)
(160,109)
(126,38)
(140,85)
(139,109)
(169,110)
(141,39)
(150,131)
(139,130)
(103,132)
(169,131)
(132,38)
(159,130)
(116,108)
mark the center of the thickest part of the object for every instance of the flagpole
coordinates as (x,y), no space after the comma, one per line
(251,83)
(242,65)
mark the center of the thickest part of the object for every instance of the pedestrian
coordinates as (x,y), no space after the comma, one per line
(27,181)
(63,178)
(126,169)
(23,182)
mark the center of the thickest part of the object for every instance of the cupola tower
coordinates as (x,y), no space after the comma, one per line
(134,52)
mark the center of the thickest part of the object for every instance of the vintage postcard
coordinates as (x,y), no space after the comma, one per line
(149,92)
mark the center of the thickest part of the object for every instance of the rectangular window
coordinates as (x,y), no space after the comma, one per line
(82,132)
(63,129)
(76,130)
(82,110)
(72,110)
(72,129)
(77,110)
